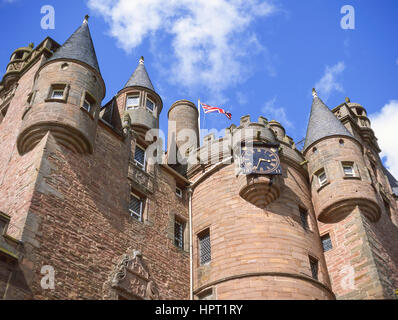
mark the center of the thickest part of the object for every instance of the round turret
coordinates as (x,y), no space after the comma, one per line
(141,101)
(338,174)
(183,131)
(66,98)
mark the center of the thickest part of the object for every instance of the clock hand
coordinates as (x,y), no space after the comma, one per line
(259,161)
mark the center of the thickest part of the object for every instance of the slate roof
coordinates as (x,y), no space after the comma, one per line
(79,47)
(393,182)
(140,77)
(323,123)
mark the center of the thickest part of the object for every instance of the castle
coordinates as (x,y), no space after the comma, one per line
(89,212)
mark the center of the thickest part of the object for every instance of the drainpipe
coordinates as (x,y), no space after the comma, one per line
(190,245)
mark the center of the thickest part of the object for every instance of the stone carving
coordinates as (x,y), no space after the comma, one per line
(131,278)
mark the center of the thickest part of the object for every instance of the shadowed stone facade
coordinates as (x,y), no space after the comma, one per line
(88,192)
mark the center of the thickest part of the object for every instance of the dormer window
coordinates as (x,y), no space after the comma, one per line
(150,104)
(132,102)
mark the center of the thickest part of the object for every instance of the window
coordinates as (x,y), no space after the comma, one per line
(132,102)
(206,295)
(178,192)
(348,169)
(326,242)
(87,105)
(204,247)
(304,218)
(322,178)
(139,157)
(135,207)
(57,94)
(314,267)
(18,55)
(179,228)
(150,104)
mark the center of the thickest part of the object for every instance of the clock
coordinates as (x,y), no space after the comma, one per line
(260,160)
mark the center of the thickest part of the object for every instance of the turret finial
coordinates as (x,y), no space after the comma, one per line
(31,45)
(142,60)
(86,18)
(347,100)
(314,94)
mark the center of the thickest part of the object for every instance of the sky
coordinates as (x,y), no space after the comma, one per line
(246,56)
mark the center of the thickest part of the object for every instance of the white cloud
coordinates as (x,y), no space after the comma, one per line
(273,112)
(330,80)
(384,123)
(211,40)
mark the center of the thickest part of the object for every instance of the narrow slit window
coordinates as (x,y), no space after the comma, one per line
(135,207)
(57,94)
(326,242)
(204,247)
(314,267)
(322,178)
(179,228)
(304,218)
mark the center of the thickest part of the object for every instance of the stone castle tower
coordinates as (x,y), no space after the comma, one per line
(93,208)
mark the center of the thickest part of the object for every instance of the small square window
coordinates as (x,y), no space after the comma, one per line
(139,157)
(204,247)
(132,102)
(179,228)
(178,192)
(135,207)
(314,267)
(326,242)
(150,104)
(322,178)
(58,91)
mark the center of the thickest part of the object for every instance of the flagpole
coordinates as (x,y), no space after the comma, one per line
(199,120)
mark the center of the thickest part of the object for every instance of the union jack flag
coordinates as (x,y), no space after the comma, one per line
(208,109)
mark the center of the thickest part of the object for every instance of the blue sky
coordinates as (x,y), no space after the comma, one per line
(250,57)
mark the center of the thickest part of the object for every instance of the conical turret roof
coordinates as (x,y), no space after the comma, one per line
(140,77)
(323,123)
(79,47)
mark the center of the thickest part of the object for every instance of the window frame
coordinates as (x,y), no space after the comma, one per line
(131,107)
(179,192)
(153,103)
(314,267)
(201,237)
(142,166)
(327,234)
(303,211)
(135,215)
(318,174)
(64,87)
(182,225)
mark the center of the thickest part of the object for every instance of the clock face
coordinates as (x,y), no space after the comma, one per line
(260,160)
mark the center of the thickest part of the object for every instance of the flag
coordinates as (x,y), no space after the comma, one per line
(208,109)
